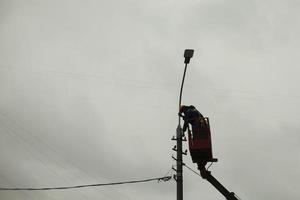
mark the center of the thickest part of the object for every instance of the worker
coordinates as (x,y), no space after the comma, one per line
(193,117)
(199,137)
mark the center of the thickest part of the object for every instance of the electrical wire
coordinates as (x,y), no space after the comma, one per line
(191,169)
(166,174)
(165,178)
(209,165)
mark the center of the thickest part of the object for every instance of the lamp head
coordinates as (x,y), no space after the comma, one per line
(188,54)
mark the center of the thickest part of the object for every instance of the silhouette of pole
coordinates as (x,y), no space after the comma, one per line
(188,54)
(179,136)
(179,175)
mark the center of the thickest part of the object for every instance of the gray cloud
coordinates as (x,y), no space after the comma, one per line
(89,94)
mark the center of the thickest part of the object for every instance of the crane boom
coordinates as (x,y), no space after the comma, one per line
(205,174)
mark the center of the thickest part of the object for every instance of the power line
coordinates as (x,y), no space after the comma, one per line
(209,165)
(191,169)
(169,171)
(165,178)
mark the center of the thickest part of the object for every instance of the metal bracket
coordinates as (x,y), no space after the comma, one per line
(175,177)
(182,139)
(174,148)
(174,158)
(174,169)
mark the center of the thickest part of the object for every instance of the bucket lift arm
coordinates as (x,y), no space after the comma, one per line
(205,174)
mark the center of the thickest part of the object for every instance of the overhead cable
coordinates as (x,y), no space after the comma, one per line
(165,178)
(191,169)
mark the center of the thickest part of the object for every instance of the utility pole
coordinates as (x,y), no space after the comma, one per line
(188,54)
(179,174)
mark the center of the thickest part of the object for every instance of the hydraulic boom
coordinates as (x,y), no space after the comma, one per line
(205,174)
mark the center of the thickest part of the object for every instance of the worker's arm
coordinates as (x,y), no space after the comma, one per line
(185,126)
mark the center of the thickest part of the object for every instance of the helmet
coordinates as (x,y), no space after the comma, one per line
(183,109)
(192,107)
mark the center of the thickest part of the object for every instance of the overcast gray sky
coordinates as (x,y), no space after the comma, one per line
(89,92)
